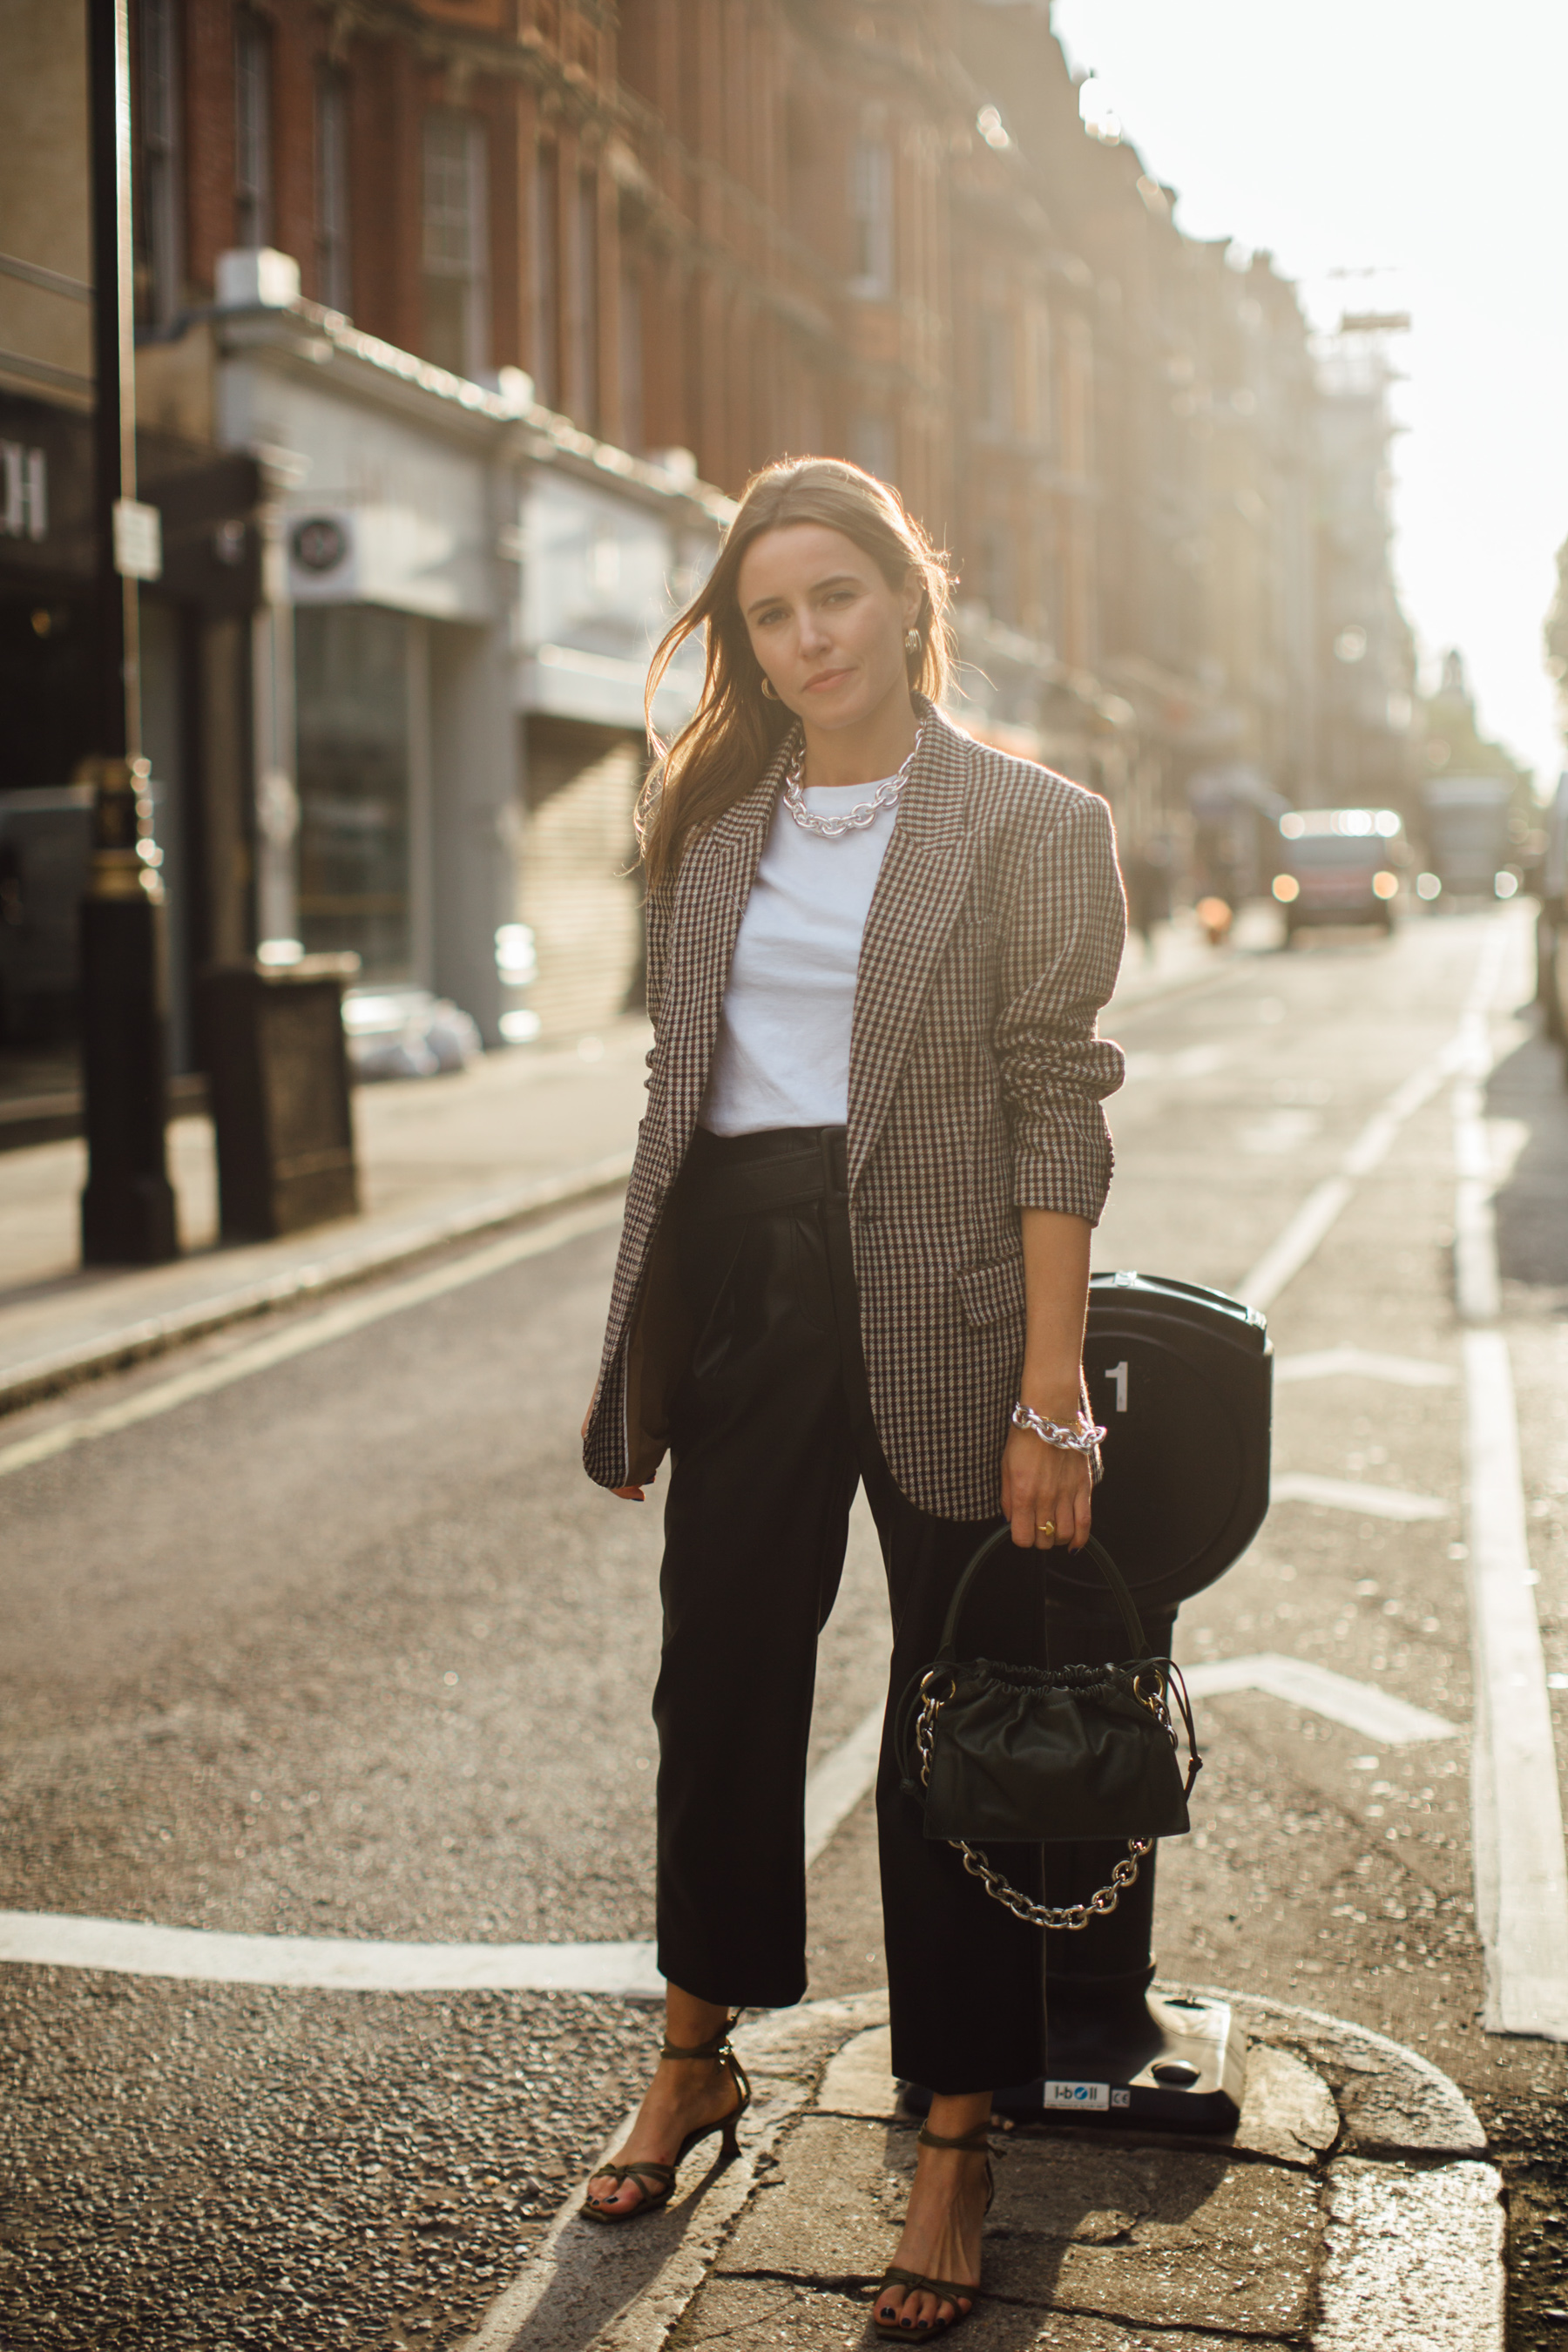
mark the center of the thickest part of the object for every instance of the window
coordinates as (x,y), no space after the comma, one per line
(456,288)
(582,391)
(998,576)
(871,445)
(162,254)
(994,346)
(252,132)
(1045,418)
(870,219)
(632,428)
(333,285)
(543,334)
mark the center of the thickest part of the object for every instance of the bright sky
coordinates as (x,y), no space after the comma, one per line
(1422,140)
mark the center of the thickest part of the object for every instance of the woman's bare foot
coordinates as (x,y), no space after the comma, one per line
(685,2094)
(943,2225)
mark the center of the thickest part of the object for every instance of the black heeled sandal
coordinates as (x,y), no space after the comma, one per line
(656,2180)
(953,2291)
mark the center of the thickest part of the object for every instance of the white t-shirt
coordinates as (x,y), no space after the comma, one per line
(782,1058)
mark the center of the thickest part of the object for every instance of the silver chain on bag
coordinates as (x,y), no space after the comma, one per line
(1071,1916)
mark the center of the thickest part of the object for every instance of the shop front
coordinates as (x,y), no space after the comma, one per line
(460,596)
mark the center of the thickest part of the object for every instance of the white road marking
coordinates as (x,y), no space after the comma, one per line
(839,1783)
(1284,1258)
(1345,1495)
(1521,1882)
(1189,1062)
(344,1964)
(1352,1364)
(1279,1132)
(1359,1706)
(326,1963)
(298,1338)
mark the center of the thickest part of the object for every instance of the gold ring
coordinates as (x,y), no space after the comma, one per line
(1045,1526)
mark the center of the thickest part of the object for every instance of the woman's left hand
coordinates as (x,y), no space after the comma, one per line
(1045,1493)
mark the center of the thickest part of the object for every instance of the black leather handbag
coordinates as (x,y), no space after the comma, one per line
(1045,1755)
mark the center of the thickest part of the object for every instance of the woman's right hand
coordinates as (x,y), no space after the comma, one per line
(626,1494)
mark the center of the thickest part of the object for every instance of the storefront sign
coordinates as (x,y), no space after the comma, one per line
(138,539)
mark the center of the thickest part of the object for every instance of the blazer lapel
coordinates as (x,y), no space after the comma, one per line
(716,877)
(922,884)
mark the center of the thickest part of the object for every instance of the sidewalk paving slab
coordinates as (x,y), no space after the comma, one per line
(442,1160)
(1354,2207)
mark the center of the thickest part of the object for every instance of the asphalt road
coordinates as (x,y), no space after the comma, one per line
(350,1648)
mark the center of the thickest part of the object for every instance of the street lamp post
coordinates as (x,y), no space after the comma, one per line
(128,1204)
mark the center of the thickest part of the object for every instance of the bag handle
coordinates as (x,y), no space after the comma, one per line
(1126,1607)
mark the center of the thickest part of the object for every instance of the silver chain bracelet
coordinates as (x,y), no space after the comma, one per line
(1081,1440)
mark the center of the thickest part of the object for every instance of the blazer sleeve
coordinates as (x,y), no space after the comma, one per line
(1061,952)
(656,909)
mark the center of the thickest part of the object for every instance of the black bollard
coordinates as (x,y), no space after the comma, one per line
(1118,2052)
(1183,1378)
(128,1202)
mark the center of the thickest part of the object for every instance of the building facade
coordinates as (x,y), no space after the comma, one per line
(462,323)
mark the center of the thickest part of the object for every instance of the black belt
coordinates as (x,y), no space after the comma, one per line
(782,1167)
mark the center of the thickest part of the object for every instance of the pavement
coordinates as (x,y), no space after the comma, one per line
(1354,2207)
(441,1160)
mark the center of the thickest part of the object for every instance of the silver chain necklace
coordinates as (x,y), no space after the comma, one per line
(855,820)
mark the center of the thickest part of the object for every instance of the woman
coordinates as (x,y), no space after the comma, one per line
(857,1237)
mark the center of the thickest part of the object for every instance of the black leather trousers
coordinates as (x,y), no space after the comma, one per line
(771,1432)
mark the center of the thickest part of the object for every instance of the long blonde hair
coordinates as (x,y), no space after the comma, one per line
(728,742)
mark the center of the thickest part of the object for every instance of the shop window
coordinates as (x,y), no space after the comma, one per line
(252,131)
(457,324)
(161,258)
(332,283)
(545,304)
(353,674)
(871,219)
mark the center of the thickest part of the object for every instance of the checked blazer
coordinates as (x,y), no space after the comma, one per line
(977,1076)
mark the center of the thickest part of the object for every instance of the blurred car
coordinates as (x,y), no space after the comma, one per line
(1467,821)
(1339,866)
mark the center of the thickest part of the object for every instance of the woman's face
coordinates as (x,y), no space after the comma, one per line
(823,624)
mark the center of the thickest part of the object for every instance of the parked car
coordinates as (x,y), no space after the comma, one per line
(1339,866)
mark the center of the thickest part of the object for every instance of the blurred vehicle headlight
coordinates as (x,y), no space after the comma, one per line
(1385,885)
(1427,886)
(517,961)
(1286,887)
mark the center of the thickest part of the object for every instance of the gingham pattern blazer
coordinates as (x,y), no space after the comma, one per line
(976,1077)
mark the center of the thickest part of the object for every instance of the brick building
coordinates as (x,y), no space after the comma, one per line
(482,311)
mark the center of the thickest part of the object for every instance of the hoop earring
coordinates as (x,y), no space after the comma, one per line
(770,691)
(913,642)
